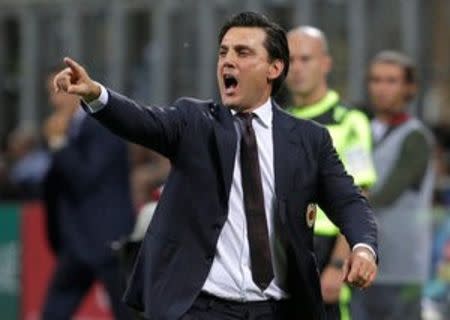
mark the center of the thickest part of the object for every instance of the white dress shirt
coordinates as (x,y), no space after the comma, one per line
(230,275)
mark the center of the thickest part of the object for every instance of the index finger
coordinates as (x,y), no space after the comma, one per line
(72,64)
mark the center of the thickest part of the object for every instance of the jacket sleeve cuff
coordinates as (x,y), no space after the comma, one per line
(97,105)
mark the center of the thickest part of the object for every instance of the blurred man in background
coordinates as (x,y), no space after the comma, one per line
(310,64)
(402,194)
(29,162)
(88,204)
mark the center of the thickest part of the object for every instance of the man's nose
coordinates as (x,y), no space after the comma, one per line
(229,60)
(228,64)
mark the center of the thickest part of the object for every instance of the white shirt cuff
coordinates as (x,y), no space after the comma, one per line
(359,245)
(97,105)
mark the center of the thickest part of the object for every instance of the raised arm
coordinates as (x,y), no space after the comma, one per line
(159,128)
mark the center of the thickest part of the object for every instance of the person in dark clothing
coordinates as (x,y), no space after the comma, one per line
(89,205)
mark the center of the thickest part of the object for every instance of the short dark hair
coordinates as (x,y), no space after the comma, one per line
(275,43)
(399,59)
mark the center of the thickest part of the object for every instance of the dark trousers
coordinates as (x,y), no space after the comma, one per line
(207,307)
(72,280)
(333,311)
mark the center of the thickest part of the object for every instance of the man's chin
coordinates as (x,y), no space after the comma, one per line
(230,103)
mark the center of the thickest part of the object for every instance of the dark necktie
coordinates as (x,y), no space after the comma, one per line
(258,236)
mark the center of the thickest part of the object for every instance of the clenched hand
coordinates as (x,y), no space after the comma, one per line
(360,268)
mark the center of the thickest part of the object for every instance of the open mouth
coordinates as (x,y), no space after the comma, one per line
(230,82)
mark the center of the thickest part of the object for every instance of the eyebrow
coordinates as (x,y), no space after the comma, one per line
(242,46)
(237,47)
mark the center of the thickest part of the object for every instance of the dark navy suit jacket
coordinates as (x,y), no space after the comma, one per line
(200,140)
(87,194)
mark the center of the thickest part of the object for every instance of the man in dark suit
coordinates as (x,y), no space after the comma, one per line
(232,235)
(88,205)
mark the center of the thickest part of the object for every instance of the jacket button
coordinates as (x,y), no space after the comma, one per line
(217,227)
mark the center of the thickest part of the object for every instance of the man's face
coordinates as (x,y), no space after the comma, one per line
(244,70)
(388,89)
(309,64)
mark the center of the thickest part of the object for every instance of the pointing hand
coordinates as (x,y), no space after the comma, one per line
(75,80)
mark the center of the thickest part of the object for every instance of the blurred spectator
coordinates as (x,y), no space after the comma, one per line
(88,205)
(402,195)
(29,163)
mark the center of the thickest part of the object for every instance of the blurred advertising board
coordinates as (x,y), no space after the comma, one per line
(9,261)
(26,264)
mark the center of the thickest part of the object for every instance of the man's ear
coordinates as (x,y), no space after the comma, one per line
(327,64)
(275,69)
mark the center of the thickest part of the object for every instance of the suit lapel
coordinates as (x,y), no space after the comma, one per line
(226,142)
(284,139)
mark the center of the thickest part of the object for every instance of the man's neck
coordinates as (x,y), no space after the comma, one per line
(311,98)
(392,118)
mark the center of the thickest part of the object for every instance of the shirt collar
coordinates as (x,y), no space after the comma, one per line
(399,119)
(264,113)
